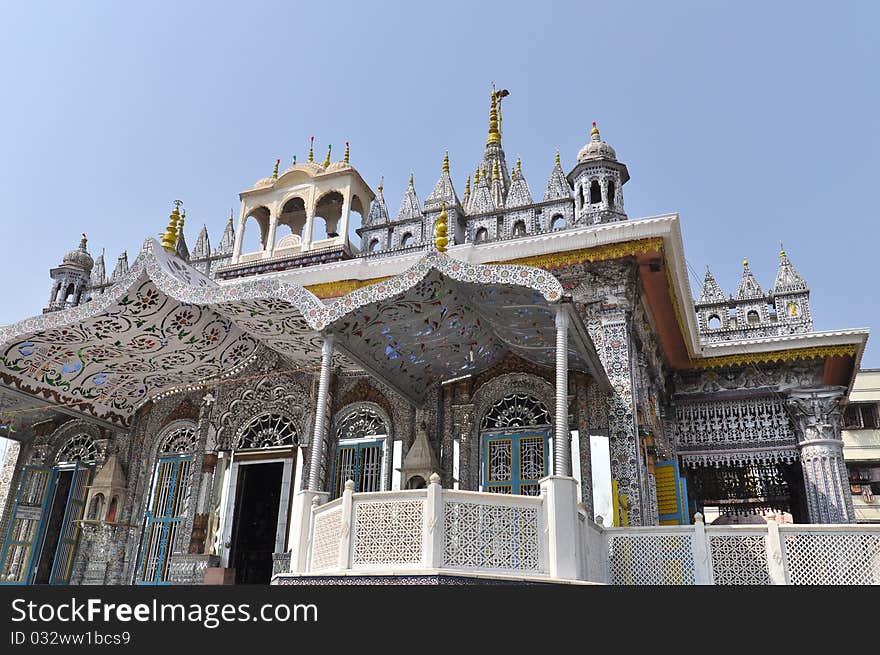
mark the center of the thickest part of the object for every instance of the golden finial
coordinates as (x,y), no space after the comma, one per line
(781,250)
(595,131)
(446,162)
(558,162)
(513,172)
(275,170)
(84,241)
(494,134)
(345,156)
(311,148)
(518,166)
(293,163)
(477,176)
(467,186)
(495,172)
(440,240)
(327,158)
(412,178)
(169,239)
(381,183)
(745,263)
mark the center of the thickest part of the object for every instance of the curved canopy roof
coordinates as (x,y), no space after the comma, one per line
(164,325)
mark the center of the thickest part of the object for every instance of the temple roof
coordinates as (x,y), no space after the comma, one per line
(163,326)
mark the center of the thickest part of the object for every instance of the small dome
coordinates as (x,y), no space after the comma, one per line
(596,148)
(79,257)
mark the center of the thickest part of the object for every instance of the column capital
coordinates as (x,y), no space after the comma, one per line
(816,412)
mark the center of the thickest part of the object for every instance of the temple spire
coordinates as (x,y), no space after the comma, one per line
(494,134)
(347,153)
(748,285)
(711,289)
(169,239)
(311,148)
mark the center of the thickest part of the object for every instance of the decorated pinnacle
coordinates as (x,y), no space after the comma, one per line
(230,215)
(327,158)
(275,170)
(781,250)
(494,134)
(411,179)
(440,240)
(381,183)
(477,176)
(745,263)
(446,162)
(495,172)
(467,186)
(558,161)
(311,148)
(83,241)
(169,239)
(594,133)
(347,152)
(518,166)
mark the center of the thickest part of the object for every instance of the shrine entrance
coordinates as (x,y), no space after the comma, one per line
(254,530)
(746,489)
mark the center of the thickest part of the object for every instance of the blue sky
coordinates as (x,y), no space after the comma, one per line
(755,121)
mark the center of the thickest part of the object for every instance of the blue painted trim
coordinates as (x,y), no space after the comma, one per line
(164,521)
(38,534)
(71,504)
(357,447)
(514,437)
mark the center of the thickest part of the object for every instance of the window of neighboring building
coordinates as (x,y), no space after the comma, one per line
(861,416)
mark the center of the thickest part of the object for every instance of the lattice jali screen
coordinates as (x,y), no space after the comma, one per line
(739,559)
(491,537)
(325,546)
(651,559)
(388,532)
(832,558)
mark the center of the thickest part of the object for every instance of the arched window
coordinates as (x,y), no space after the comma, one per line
(519,228)
(374,245)
(111,510)
(753,318)
(329,209)
(557,222)
(79,448)
(515,445)
(714,322)
(580,195)
(481,236)
(406,239)
(267,431)
(595,193)
(360,450)
(169,500)
(96,507)
(611,193)
(256,230)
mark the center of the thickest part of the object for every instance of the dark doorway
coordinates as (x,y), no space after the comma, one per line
(63,480)
(257,500)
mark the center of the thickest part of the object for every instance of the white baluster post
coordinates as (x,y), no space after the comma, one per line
(432,530)
(702,561)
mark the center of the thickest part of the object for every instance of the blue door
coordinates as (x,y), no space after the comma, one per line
(164,518)
(26,525)
(68,538)
(361,462)
(513,463)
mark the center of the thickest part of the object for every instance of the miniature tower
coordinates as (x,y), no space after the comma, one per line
(70,280)
(791,298)
(598,180)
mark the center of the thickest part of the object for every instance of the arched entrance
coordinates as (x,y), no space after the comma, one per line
(258,497)
(515,444)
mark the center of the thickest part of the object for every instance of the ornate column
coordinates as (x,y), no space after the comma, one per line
(816,413)
(269,246)
(239,237)
(583,426)
(197,542)
(318,436)
(562,436)
(301,514)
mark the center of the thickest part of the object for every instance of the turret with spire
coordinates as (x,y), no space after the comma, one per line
(598,180)
(71,279)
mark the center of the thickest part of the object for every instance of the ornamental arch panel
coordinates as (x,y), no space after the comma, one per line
(361,433)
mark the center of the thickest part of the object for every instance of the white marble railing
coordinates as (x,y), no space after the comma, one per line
(431,529)
(742,555)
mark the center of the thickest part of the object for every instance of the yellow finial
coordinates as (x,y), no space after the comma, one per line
(230,216)
(169,239)
(446,162)
(381,183)
(412,178)
(477,176)
(495,172)
(440,240)
(745,263)
(781,250)
(558,161)
(312,148)
(345,156)
(594,131)
(494,134)
(275,170)
(467,186)
(327,158)
(513,172)
(519,166)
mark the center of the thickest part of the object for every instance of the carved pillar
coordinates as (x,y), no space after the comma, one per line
(611,334)
(209,462)
(816,413)
(319,436)
(447,437)
(468,438)
(583,427)
(562,435)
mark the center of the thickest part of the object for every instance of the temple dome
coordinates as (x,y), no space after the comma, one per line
(79,257)
(596,148)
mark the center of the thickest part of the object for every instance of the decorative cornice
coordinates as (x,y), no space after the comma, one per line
(601,253)
(341,287)
(772,356)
